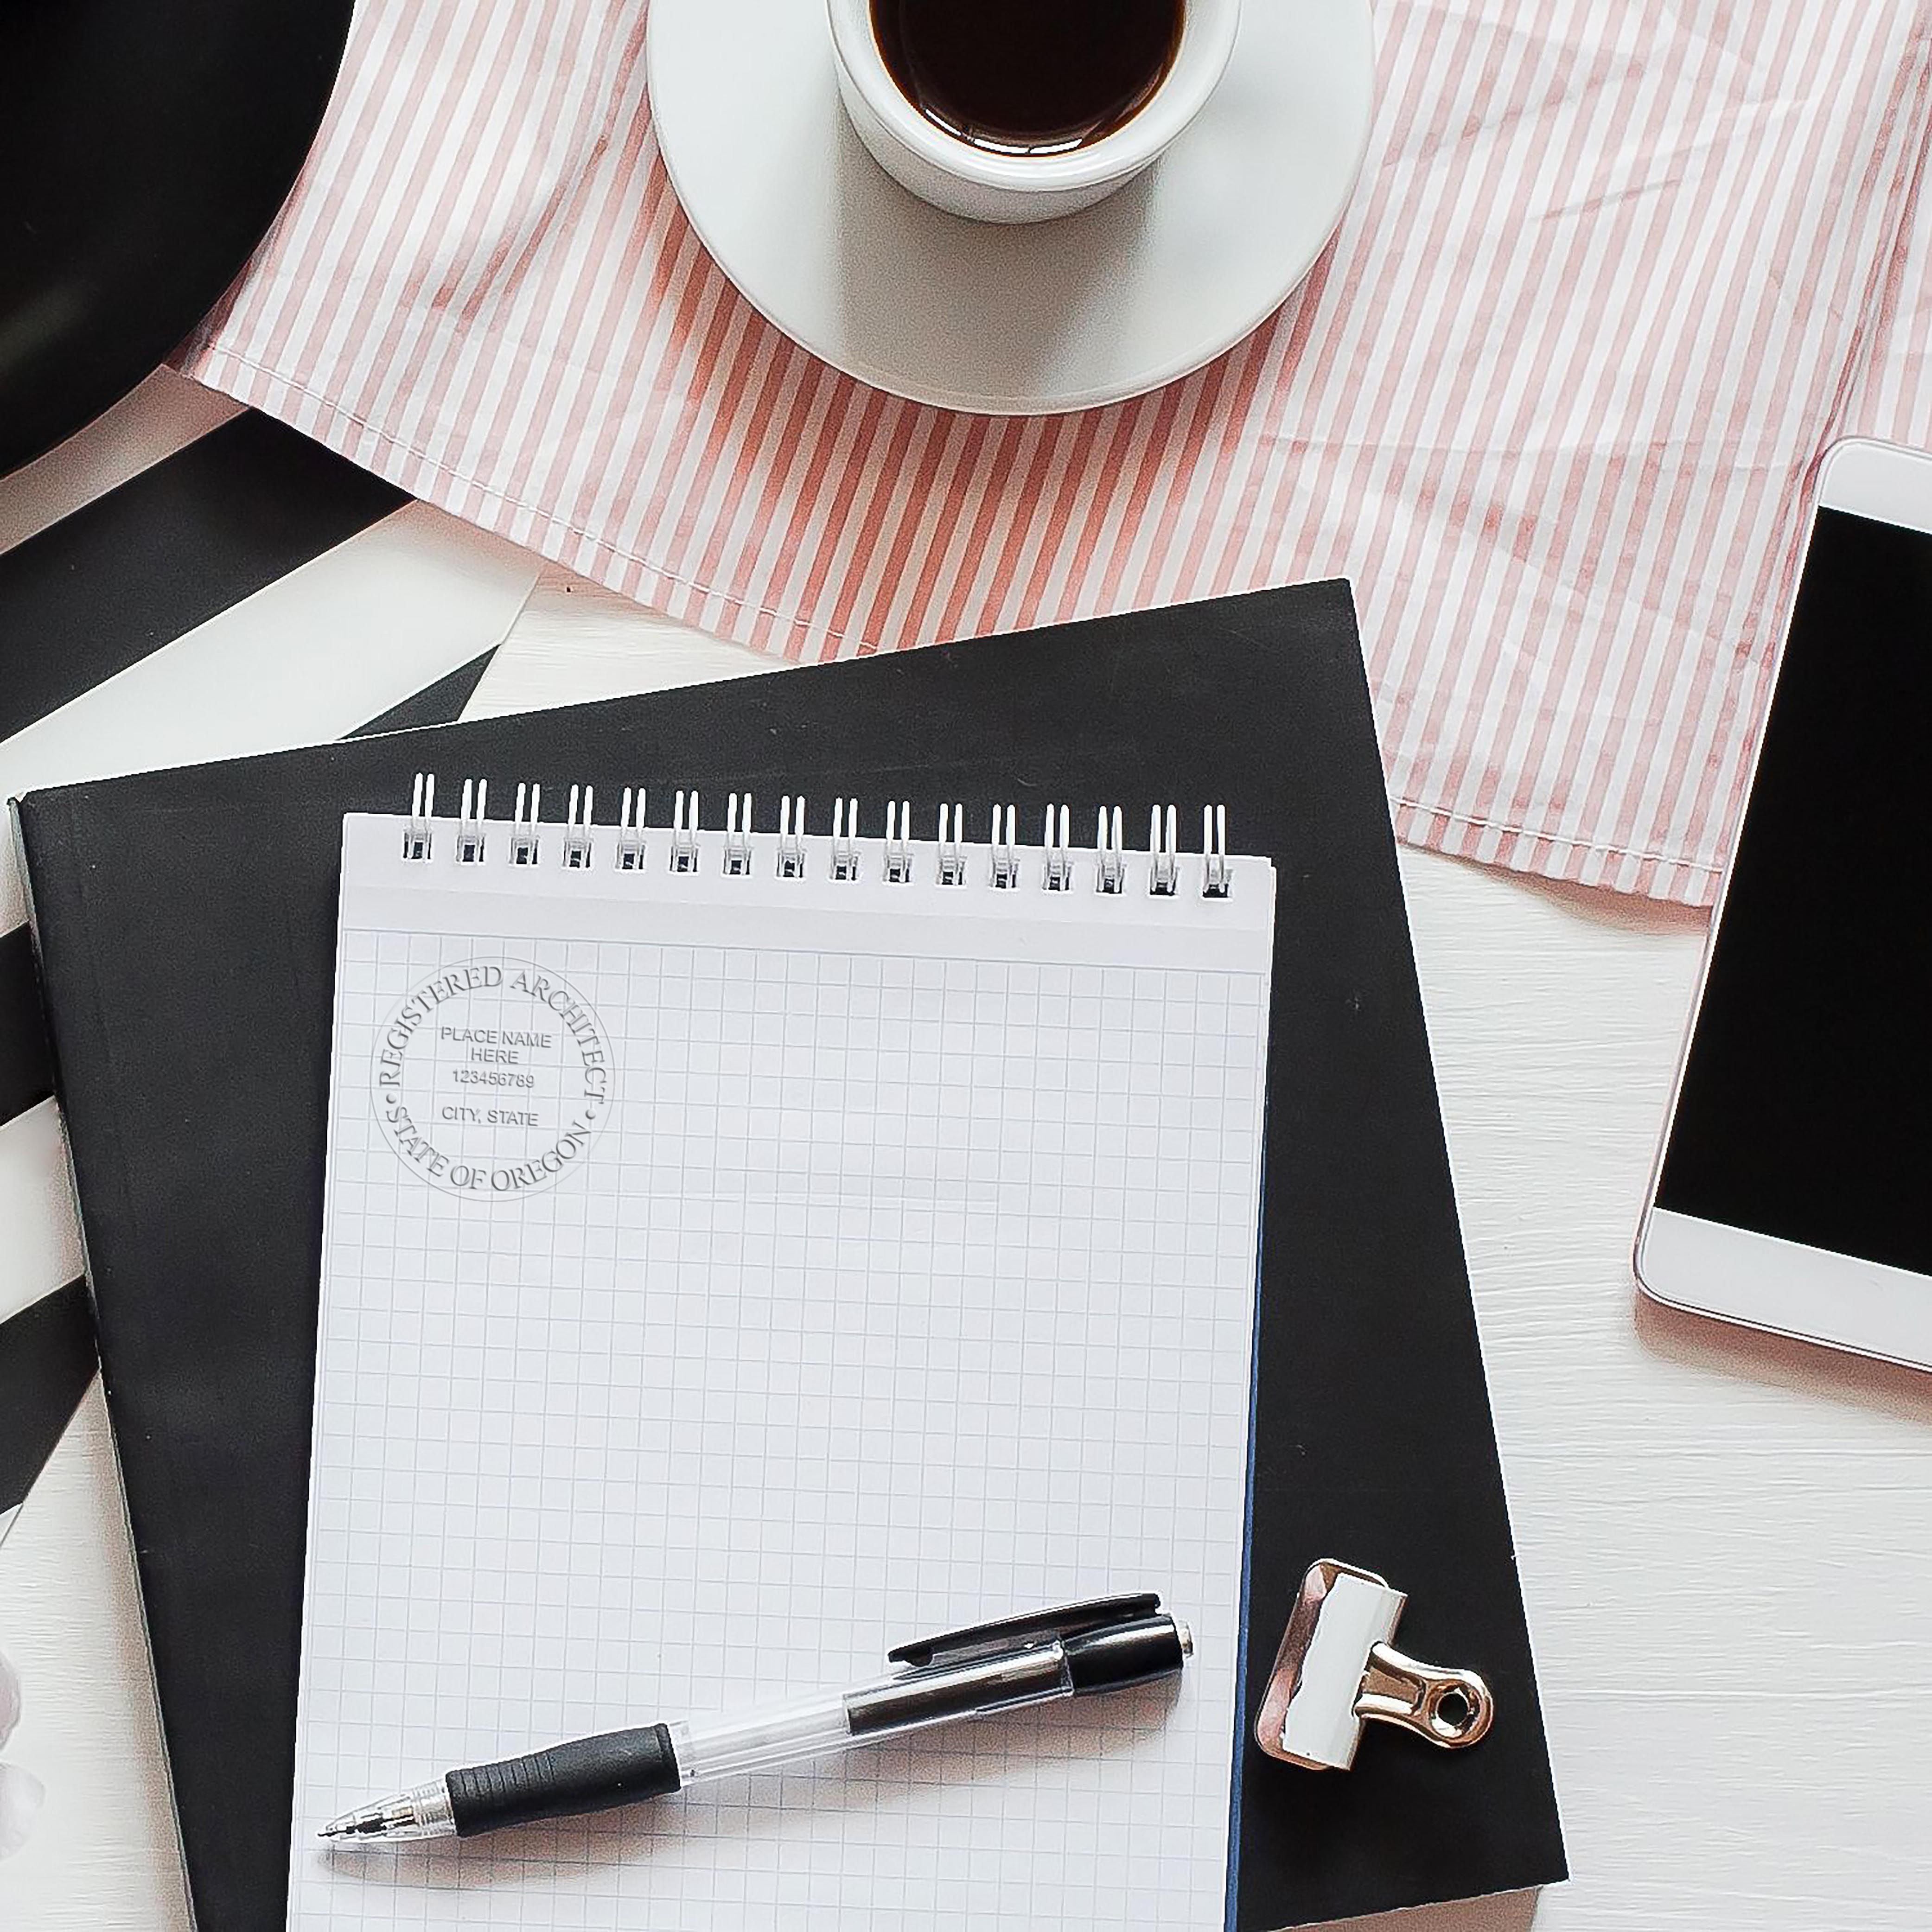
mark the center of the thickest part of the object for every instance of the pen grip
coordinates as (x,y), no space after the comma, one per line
(564,1781)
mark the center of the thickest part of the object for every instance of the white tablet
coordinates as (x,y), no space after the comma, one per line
(1793,1191)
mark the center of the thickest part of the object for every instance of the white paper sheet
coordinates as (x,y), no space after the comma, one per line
(847,1261)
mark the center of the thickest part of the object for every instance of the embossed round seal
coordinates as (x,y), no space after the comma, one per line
(492,1078)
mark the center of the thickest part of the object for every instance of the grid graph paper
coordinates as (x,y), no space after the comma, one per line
(727,1278)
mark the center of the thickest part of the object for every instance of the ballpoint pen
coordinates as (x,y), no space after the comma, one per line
(1106,1644)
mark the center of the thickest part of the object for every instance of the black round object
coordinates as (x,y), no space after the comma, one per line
(146,146)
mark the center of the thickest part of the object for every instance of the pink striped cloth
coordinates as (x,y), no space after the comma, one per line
(1615,277)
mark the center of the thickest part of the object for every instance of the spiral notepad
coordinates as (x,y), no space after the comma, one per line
(748,1249)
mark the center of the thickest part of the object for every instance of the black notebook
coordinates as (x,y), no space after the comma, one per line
(185,922)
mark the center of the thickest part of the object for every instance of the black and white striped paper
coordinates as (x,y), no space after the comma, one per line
(184,583)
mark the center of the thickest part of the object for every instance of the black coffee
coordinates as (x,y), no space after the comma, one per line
(1028,77)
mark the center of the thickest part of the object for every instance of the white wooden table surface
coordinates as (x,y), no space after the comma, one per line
(1726,1543)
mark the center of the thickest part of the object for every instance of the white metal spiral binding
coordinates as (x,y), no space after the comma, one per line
(470,836)
(684,834)
(1110,863)
(576,832)
(791,836)
(418,833)
(1164,869)
(1062,869)
(631,831)
(1216,875)
(952,844)
(524,834)
(898,842)
(1059,859)
(1005,845)
(845,839)
(737,835)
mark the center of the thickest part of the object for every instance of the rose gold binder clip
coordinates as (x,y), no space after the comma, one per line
(1335,1671)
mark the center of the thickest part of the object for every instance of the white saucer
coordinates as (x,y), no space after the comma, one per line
(1093,308)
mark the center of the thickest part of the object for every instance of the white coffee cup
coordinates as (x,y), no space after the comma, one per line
(984,186)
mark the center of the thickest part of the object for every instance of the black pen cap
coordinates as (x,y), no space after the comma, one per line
(1123,1654)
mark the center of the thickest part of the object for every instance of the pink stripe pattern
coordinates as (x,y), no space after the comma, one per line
(1614,278)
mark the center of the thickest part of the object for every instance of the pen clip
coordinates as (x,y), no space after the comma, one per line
(1032,1627)
(1336,1671)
